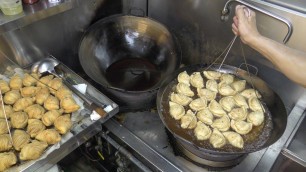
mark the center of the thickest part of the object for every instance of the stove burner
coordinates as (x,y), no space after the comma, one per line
(202,159)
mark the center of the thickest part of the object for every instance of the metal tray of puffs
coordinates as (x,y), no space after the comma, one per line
(85,123)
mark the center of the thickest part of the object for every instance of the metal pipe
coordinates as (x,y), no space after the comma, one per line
(225,12)
(125,152)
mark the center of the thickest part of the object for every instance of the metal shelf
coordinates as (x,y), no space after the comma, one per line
(35,12)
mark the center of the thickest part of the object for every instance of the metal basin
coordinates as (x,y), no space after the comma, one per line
(129,57)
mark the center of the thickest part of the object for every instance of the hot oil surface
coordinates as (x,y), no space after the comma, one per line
(133,74)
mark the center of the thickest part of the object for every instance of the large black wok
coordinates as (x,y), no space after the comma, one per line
(276,111)
(129,57)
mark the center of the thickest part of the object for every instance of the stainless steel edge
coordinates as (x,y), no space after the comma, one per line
(290,138)
(292,156)
(148,154)
(225,12)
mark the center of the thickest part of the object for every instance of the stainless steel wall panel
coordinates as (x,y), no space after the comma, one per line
(58,35)
(203,36)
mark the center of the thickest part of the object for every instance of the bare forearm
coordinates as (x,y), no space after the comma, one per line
(291,62)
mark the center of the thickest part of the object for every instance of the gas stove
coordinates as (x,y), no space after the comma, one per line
(145,135)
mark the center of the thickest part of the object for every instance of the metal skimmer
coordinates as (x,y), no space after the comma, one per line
(229,47)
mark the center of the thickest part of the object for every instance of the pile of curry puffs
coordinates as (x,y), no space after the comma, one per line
(218,107)
(38,110)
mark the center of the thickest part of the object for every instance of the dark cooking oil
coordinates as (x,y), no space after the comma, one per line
(133,74)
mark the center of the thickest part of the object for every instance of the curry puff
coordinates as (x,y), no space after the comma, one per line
(49,117)
(216,109)
(34,127)
(35,111)
(5,142)
(241,127)
(183,77)
(20,139)
(7,159)
(63,124)
(177,111)
(226,90)
(180,99)
(256,118)
(189,120)
(62,92)
(51,103)
(208,94)
(205,116)
(198,104)
(213,75)
(55,84)
(234,139)
(44,81)
(212,85)
(222,124)
(50,136)
(227,103)
(3,126)
(217,139)
(30,79)
(15,82)
(11,97)
(202,131)
(69,105)
(196,80)
(4,87)
(33,150)
(42,95)
(19,119)
(8,110)
(23,103)
(184,89)
(227,78)
(29,91)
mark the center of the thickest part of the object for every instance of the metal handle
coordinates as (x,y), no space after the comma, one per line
(246,64)
(225,12)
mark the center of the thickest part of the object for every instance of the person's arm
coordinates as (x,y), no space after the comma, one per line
(289,61)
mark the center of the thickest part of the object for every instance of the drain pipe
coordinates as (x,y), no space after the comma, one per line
(126,153)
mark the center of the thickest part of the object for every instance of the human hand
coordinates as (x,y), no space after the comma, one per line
(244,24)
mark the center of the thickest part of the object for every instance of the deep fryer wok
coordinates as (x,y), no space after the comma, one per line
(135,52)
(271,99)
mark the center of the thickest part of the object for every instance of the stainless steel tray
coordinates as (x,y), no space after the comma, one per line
(82,129)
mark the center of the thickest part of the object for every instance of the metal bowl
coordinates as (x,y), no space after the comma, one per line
(129,56)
